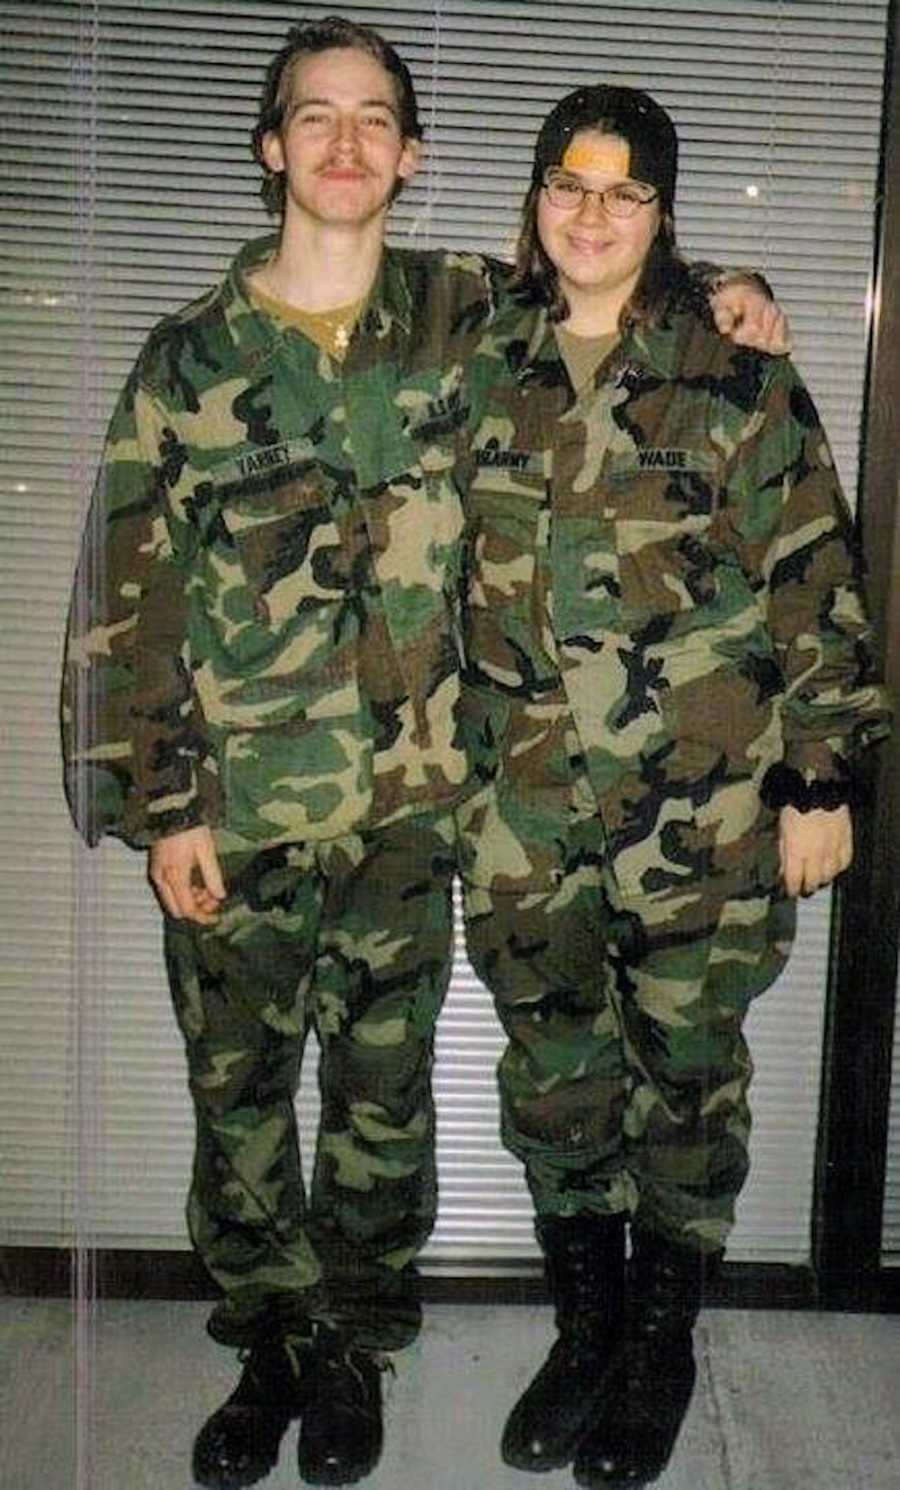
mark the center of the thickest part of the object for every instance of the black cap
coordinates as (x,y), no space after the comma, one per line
(626,112)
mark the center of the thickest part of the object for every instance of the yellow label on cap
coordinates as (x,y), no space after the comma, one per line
(596,152)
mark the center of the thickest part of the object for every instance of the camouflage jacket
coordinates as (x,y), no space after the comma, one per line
(264,633)
(662,598)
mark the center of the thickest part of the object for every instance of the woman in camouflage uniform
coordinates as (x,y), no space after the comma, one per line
(668,682)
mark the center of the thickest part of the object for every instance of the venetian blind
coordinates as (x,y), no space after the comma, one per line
(128,185)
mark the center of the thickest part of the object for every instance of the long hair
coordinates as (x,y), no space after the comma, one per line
(304,41)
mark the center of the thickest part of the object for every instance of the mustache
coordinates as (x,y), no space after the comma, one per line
(341,165)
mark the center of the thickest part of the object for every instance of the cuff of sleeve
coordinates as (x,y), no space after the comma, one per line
(104,802)
(161,817)
(784,786)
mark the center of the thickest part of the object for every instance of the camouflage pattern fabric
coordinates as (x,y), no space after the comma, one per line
(264,634)
(241,993)
(385,958)
(662,603)
(376,911)
(265,638)
(624,1083)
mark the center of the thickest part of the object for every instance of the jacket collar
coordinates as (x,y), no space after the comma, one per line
(653,348)
(389,304)
(542,361)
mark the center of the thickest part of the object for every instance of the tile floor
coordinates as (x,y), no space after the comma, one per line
(786,1400)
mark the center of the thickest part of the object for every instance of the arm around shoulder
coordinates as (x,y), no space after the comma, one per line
(743,308)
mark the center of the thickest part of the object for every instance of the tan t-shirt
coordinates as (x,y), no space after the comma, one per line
(329,329)
(582,355)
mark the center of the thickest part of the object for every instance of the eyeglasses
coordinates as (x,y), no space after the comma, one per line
(623,199)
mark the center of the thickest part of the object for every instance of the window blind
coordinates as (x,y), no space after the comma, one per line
(128,185)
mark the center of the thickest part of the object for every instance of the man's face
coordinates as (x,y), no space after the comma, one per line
(597,254)
(340,145)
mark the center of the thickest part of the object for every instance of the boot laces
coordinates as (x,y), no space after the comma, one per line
(350,1382)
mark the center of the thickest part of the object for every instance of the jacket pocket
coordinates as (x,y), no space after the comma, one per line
(293,549)
(302,780)
(276,601)
(663,523)
(274,640)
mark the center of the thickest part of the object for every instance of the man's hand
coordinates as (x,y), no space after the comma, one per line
(815,847)
(184,871)
(745,315)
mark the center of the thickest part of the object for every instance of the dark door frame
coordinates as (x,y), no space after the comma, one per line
(855,1114)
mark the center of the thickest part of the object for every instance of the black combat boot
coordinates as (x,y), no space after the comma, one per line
(652,1380)
(239,1444)
(342,1433)
(585,1266)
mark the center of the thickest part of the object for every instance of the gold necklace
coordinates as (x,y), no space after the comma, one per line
(333,328)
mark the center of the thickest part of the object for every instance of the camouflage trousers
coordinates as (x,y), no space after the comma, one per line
(624,1084)
(351,938)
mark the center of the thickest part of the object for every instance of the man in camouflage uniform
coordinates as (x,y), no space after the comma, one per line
(261,688)
(668,676)
(262,680)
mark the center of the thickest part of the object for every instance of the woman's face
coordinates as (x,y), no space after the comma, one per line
(599,257)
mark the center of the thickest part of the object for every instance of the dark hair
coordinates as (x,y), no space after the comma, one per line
(305,41)
(628,113)
(536,279)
